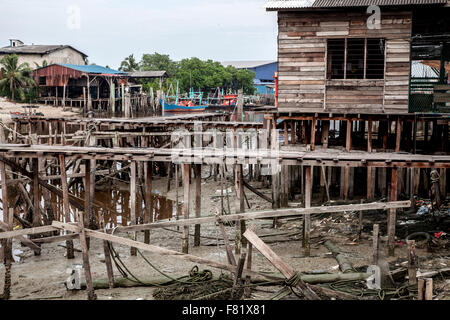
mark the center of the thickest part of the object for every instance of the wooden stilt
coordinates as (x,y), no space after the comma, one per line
(86,264)
(239,206)
(376,243)
(66,208)
(107,252)
(429,289)
(198,201)
(348,140)
(247,291)
(186,204)
(392,216)
(87,195)
(148,199)
(307,217)
(133,251)
(7,243)
(412,262)
(313,134)
(398,135)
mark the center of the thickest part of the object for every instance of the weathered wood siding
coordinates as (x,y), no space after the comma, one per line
(302,57)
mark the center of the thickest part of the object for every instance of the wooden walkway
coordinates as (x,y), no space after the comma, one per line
(231,156)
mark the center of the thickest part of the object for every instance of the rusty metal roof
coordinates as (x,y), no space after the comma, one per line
(301,4)
(36,49)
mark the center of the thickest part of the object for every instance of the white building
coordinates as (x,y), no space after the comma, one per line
(37,54)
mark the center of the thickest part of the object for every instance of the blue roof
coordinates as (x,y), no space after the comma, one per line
(92,69)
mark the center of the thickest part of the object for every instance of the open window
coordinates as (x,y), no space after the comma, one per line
(355,58)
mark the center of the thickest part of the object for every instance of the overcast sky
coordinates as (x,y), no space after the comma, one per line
(110,30)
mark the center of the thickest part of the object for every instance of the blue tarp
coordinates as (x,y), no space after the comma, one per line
(92,69)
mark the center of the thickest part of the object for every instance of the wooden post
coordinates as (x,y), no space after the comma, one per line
(348,140)
(133,251)
(292,132)
(85,253)
(307,217)
(278,263)
(412,262)
(186,204)
(420,289)
(286,136)
(429,289)
(392,216)
(37,216)
(370,171)
(398,135)
(148,199)
(313,133)
(107,252)
(247,290)
(198,201)
(239,206)
(87,195)
(6,244)
(376,243)
(66,208)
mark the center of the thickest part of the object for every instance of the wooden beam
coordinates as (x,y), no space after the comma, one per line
(198,202)
(133,203)
(85,253)
(155,249)
(307,217)
(26,242)
(66,208)
(227,218)
(186,205)
(278,263)
(392,215)
(148,199)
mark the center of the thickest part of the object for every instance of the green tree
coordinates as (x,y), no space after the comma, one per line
(15,77)
(129,64)
(158,62)
(44,64)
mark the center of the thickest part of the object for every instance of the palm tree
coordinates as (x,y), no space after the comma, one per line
(44,64)
(15,76)
(129,64)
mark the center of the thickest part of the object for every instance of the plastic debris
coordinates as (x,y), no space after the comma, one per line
(423,210)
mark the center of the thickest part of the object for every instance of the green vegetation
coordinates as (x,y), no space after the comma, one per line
(16,81)
(192,73)
(129,64)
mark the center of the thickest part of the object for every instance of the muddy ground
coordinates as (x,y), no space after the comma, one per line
(42,277)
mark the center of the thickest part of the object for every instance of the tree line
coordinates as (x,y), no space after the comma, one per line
(204,75)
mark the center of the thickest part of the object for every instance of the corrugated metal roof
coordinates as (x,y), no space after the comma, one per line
(92,69)
(247,64)
(420,70)
(147,74)
(36,49)
(299,4)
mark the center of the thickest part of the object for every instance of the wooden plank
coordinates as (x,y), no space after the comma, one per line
(186,205)
(85,253)
(133,204)
(412,262)
(155,249)
(26,242)
(268,214)
(66,208)
(392,215)
(278,263)
(198,202)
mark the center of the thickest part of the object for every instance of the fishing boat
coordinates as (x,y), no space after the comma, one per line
(192,103)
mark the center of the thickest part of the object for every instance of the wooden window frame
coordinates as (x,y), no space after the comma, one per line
(329,76)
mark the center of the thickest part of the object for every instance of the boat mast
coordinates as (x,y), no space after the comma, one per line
(176,98)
